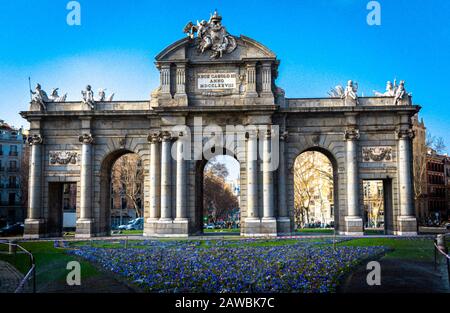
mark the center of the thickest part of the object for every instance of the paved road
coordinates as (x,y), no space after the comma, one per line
(400,276)
(102,283)
(10,277)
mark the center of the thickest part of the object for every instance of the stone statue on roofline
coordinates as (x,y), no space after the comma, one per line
(393,90)
(88,97)
(102,96)
(400,93)
(350,93)
(390,90)
(337,92)
(54,96)
(40,96)
(211,35)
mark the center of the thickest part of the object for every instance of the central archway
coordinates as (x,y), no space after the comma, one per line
(217,195)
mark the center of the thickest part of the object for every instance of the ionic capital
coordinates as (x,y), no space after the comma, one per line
(352,134)
(251,134)
(268,133)
(154,138)
(406,134)
(35,139)
(166,136)
(86,139)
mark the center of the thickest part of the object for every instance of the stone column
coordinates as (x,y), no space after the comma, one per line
(252,176)
(155,177)
(165,79)
(268,199)
(181,201)
(180,94)
(166,199)
(266,78)
(407,220)
(181,80)
(84,223)
(251,80)
(34,223)
(353,219)
(35,184)
(283,214)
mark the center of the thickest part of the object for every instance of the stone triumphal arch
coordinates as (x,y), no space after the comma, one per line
(218,79)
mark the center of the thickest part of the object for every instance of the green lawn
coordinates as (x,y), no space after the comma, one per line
(370,232)
(131,232)
(420,249)
(226,230)
(315,230)
(50,262)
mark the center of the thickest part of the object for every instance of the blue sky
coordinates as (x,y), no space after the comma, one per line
(321,43)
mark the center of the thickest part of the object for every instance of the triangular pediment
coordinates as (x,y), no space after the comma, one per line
(187,49)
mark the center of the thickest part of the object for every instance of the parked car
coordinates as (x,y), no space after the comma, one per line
(12,230)
(136,224)
(210,226)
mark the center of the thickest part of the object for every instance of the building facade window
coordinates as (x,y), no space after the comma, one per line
(13,150)
(12,199)
(12,182)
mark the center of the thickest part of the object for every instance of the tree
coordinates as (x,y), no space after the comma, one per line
(440,146)
(435,143)
(420,171)
(127,180)
(217,195)
(217,168)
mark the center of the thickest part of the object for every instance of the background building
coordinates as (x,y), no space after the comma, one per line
(438,183)
(11,174)
(420,168)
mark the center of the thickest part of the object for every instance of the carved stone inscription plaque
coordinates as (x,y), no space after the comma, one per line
(216,81)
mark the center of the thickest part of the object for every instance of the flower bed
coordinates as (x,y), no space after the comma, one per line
(184,266)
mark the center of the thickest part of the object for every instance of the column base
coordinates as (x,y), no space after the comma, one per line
(251,94)
(34,229)
(84,228)
(269,226)
(181,98)
(407,226)
(150,227)
(283,225)
(167,227)
(265,227)
(353,226)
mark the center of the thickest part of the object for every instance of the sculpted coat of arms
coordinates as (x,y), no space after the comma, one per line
(212,35)
(63,157)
